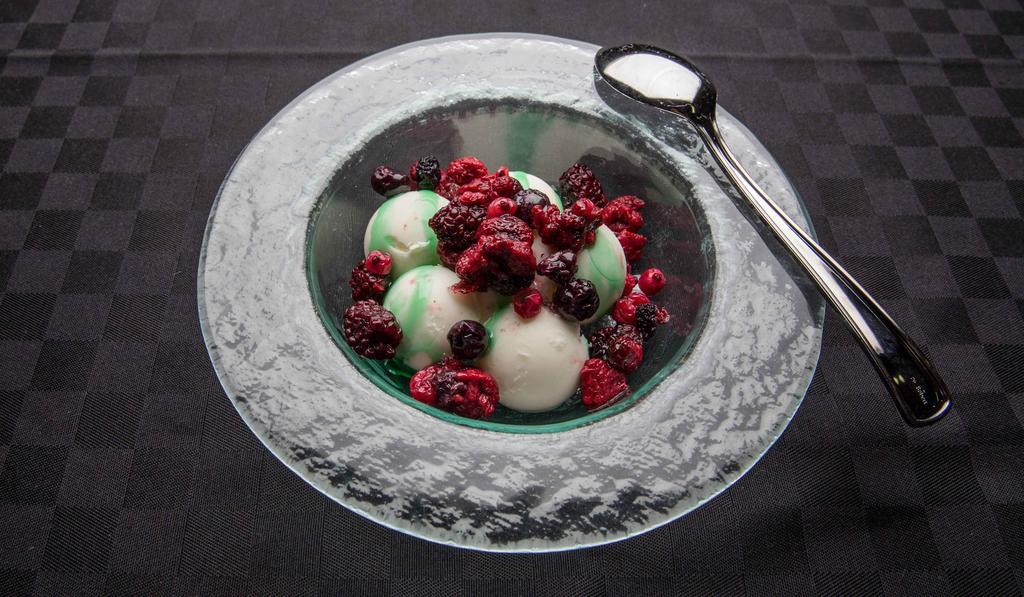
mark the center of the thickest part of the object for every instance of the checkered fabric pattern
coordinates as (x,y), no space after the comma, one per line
(125,470)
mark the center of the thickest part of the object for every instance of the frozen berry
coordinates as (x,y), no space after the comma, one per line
(638,298)
(579,182)
(601,340)
(652,281)
(624,311)
(648,318)
(387,182)
(371,330)
(367,285)
(504,185)
(625,353)
(629,201)
(506,226)
(527,303)
(426,172)
(619,215)
(632,244)
(378,263)
(468,392)
(464,170)
(586,209)
(421,385)
(564,230)
(468,339)
(600,383)
(526,200)
(455,225)
(577,300)
(477,192)
(498,264)
(559,266)
(500,207)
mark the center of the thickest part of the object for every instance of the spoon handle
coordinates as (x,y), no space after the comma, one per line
(919,392)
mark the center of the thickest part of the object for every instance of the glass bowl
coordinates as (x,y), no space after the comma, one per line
(543,139)
(288,222)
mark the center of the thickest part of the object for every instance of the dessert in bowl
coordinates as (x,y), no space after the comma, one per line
(464,244)
(289,226)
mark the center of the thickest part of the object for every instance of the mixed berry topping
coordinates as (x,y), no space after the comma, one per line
(371,330)
(468,339)
(486,235)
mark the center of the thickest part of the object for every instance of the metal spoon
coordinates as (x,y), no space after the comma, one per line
(669,82)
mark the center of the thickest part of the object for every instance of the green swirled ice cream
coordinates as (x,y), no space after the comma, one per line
(604,264)
(426,308)
(400,227)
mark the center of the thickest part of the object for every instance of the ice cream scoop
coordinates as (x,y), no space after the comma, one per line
(400,227)
(604,264)
(426,308)
(536,362)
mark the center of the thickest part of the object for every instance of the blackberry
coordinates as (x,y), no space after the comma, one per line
(648,318)
(455,225)
(559,267)
(387,182)
(579,182)
(371,330)
(426,173)
(468,339)
(526,200)
(367,285)
(577,300)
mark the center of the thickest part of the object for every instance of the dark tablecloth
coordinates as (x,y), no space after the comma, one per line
(125,470)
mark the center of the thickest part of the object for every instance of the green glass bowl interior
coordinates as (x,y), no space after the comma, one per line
(542,139)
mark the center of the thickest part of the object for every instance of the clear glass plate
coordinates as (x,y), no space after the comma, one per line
(289,219)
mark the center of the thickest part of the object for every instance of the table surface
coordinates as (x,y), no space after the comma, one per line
(125,470)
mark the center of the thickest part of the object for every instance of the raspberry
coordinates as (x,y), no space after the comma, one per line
(601,384)
(648,318)
(625,353)
(464,170)
(371,330)
(477,192)
(619,216)
(468,339)
(378,263)
(602,339)
(559,267)
(629,284)
(500,207)
(563,230)
(468,392)
(624,311)
(426,173)
(577,300)
(447,189)
(652,281)
(504,185)
(526,200)
(579,182)
(387,182)
(455,226)
(506,226)
(527,303)
(632,244)
(366,285)
(421,385)
(496,263)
